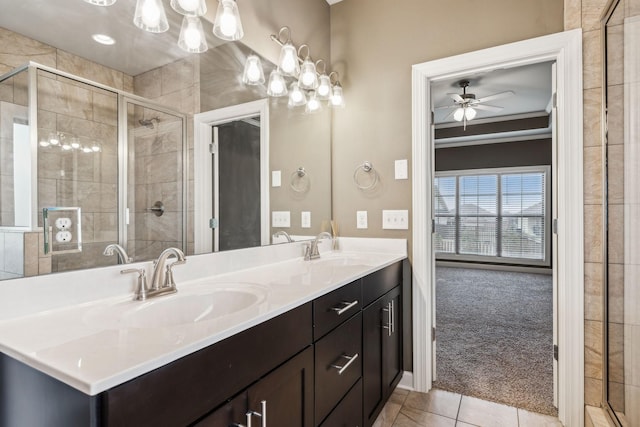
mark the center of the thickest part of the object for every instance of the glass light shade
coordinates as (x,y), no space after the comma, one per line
(297,97)
(227,25)
(458,115)
(308,77)
(44,143)
(253,73)
(150,16)
(469,113)
(54,139)
(192,38)
(95,148)
(313,103)
(189,7)
(66,147)
(277,86)
(288,61)
(337,98)
(74,143)
(324,88)
(86,150)
(101,2)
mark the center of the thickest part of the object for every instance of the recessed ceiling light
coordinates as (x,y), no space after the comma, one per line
(103,39)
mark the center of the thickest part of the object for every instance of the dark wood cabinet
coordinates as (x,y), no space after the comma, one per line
(347,413)
(382,352)
(282,398)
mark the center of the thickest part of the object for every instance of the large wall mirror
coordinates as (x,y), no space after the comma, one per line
(621,36)
(138,193)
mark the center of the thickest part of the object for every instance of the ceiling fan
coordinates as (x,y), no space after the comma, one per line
(465,105)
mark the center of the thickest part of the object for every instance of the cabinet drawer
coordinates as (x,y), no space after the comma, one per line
(380,282)
(338,365)
(334,308)
(347,413)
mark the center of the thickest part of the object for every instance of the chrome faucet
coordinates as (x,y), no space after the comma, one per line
(162,278)
(284,234)
(115,248)
(311,251)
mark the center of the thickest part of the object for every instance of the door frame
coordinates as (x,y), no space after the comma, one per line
(566,50)
(203,171)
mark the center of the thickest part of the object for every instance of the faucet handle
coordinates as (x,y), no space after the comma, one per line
(141,288)
(168,277)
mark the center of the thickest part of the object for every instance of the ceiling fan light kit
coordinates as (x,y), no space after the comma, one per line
(465,106)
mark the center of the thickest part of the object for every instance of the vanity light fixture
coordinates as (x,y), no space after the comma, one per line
(103,39)
(227,25)
(288,60)
(150,16)
(253,73)
(297,96)
(101,2)
(276,86)
(324,83)
(337,97)
(308,75)
(189,7)
(313,103)
(192,38)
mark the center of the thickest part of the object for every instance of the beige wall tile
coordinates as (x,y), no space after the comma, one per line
(62,97)
(592,110)
(616,240)
(593,233)
(16,50)
(591,13)
(178,75)
(593,286)
(592,67)
(30,254)
(89,70)
(592,391)
(105,108)
(615,117)
(615,55)
(615,351)
(127,83)
(593,175)
(593,349)
(632,397)
(572,14)
(616,293)
(632,355)
(44,265)
(615,178)
(149,84)
(616,396)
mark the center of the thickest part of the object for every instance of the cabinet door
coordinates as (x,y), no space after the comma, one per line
(229,414)
(285,396)
(382,350)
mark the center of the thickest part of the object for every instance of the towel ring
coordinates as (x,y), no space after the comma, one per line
(300,180)
(359,173)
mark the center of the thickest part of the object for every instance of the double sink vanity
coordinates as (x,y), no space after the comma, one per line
(255,336)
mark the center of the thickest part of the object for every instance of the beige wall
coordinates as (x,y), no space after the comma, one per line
(374,43)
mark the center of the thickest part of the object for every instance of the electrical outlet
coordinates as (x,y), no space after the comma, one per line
(63,223)
(395,219)
(281,219)
(361,219)
(305,219)
(63,236)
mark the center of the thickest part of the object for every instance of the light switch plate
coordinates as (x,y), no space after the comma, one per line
(305,219)
(276,178)
(402,169)
(281,219)
(361,219)
(395,219)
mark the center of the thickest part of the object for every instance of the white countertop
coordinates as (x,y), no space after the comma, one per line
(91,347)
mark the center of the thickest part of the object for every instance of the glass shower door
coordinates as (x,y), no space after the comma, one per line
(154,218)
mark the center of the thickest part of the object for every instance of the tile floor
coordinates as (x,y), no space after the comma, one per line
(440,408)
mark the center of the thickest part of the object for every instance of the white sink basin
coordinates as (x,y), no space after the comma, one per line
(339,259)
(194,304)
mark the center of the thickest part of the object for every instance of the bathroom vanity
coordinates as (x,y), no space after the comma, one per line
(319,345)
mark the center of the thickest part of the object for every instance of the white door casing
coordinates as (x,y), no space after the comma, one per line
(566,50)
(203,175)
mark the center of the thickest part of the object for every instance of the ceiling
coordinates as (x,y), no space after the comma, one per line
(530,83)
(69,25)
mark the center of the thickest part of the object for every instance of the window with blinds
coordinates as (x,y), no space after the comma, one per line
(488,214)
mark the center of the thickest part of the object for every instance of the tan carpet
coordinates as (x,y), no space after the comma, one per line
(494,336)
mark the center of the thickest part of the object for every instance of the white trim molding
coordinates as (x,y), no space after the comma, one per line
(566,50)
(203,173)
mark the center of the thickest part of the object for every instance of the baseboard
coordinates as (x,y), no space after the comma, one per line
(499,267)
(406,382)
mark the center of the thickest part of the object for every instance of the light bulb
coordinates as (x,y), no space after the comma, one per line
(458,114)
(101,2)
(277,86)
(66,147)
(44,143)
(54,139)
(289,60)
(253,74)
(313,104)
(324,87)
(192,38)
(337,100)
(308,76)
(150,16)
(86,150)
(297,96)
(469,113)
(227,25)
(75,145)
(228,22)
(95,148)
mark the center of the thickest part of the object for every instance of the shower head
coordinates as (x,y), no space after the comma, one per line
(149,123)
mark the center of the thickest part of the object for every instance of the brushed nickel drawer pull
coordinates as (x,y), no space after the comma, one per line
(389,326)
(262,415)
(345,307)
(350,360)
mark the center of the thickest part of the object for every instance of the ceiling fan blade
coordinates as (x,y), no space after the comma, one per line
(485,107)
(496,96)
(444,107)
(448,116)
(456,97)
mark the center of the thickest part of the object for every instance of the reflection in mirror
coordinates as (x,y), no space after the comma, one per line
(170,86)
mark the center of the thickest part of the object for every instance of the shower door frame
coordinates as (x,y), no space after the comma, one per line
(122,98)
(123,163)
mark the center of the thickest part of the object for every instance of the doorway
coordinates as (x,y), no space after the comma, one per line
(565,49)
(217,188)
